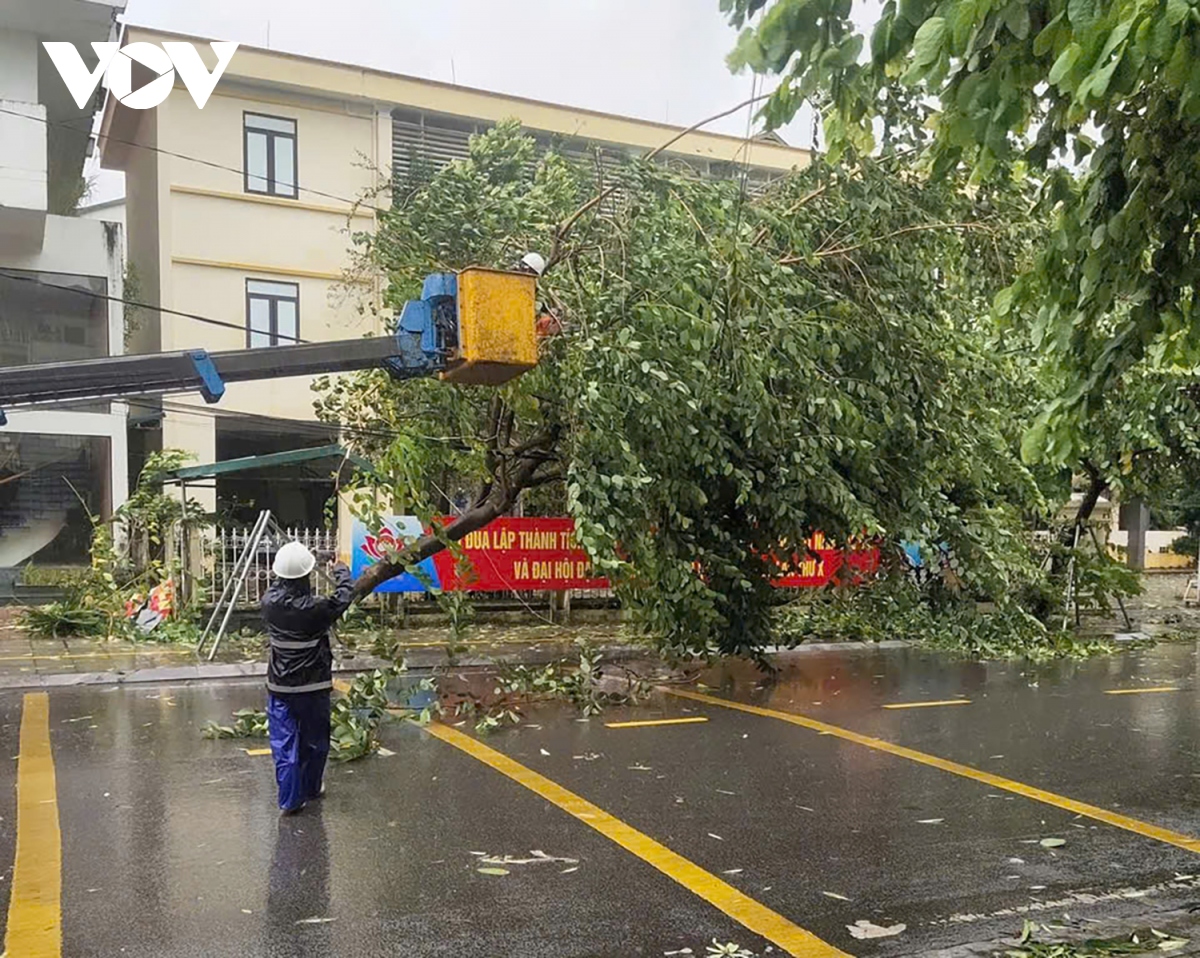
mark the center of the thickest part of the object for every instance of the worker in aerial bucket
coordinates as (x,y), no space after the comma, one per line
(300,672)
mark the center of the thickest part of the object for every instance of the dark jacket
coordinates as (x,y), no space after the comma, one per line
(298,624)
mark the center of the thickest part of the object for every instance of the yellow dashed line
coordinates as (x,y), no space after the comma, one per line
(926,705)
(1161,688)
(751,914)
(647,723)
(35,907)
(995,781)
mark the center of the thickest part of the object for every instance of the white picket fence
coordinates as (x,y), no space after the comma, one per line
(221,547)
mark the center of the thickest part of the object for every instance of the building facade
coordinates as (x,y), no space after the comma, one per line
(60,286)
(243,211)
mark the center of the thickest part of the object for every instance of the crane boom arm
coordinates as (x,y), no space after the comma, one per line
(476,326)
(186,371)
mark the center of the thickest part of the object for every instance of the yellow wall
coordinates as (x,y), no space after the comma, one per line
(213,237)
(195,433)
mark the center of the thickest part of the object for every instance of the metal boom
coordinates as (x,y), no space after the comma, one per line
(488,337)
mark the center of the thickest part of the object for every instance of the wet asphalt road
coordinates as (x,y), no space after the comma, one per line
(171,845)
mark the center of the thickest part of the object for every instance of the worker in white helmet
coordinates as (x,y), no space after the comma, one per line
(300,672)
(532,263)
(546,324)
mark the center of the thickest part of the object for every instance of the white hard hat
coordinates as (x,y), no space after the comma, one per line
(293,561)
(534,262)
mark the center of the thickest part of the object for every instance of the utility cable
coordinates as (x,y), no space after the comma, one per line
(330,430)
(240,327)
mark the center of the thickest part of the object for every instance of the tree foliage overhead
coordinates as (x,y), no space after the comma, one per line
(733,373)
(1112,84)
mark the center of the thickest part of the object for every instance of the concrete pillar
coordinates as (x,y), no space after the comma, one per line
(1135,517)
(195,433)
(345,528)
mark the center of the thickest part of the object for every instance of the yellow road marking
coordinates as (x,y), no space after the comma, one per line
(966,771)
(92,655)
(257,751)
(1161,688)
(646,723)
(35,908)
(759,919)
(926,705)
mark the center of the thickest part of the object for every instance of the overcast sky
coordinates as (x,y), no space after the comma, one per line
(660,60)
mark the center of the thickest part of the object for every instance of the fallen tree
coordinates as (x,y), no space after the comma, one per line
(732,372)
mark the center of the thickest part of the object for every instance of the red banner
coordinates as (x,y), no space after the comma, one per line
(541,554)
(521,554)
(820,565)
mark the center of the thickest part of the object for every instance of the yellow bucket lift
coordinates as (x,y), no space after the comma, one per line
(497,337)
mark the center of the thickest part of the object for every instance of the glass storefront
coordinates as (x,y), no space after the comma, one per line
(48,486)
(51,317)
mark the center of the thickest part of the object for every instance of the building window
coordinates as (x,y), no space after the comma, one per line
(270,148)
(272,313)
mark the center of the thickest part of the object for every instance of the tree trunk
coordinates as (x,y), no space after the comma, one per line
(1096,486)
(470,521)
(513,472)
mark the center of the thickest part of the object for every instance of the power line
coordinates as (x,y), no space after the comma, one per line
(240,327)
(328,430)
(315,425)
(184,156)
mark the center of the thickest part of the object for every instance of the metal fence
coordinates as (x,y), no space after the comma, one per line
(221,547)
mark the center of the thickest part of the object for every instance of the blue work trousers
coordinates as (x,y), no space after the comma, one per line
(299,728)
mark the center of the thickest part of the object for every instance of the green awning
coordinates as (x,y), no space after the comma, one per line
(267,461)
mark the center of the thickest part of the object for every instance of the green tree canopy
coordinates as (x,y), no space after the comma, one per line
(1111,84)
(733,373)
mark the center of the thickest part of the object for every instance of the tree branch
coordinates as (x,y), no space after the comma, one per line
(560,234)
(500,496)
(794,208)
(843,250)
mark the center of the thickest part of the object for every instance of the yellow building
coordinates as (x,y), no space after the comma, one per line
(241,211)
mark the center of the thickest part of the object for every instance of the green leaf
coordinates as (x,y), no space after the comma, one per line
(1044,41)
(493,871)
(849,49)
(1179,68)
(927,44)
(1033,444)
(912,10)
(1052,842)
(1064,63)
(1016,18)
(1177,11)
(1081,13)
(1096,83)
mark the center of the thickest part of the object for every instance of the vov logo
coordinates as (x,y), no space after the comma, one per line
(116,66)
